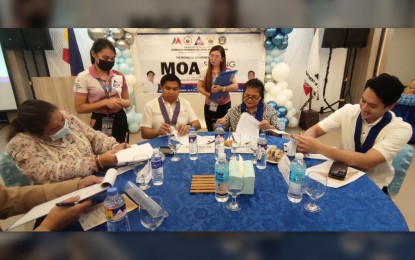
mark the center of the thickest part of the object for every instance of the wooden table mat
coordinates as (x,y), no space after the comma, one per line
(202,184)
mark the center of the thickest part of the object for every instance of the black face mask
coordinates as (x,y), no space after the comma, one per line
(105,65)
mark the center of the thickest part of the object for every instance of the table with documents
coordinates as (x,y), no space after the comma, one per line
(358,206)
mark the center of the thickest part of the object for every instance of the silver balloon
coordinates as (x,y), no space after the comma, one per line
(117,33)
(268,78)
(96,33)
(111,39)
(121,44)
(129,38)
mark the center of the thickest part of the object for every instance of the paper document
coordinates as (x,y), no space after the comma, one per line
(205,144)
(352,174)
(247,125)
(126,156)
(87,192)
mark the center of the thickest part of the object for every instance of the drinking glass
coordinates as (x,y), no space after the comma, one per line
(174,146)
(253,145)
(147,220)
(236,185)
(142,170)
(234,142)
(315,185)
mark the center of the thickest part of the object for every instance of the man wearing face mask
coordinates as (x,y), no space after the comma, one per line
(50,145)
(103,91)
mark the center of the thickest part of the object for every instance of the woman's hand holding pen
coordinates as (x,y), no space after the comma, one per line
(216,89)
(108,159)
(60,217)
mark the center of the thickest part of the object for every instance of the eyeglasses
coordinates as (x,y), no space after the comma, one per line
(253,98)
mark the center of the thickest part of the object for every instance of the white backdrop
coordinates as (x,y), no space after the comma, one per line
(296,57)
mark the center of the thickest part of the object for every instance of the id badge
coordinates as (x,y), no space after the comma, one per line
(213,106)
(107,125)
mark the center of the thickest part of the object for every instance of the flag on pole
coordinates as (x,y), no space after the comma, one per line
(71,53)
(313,68)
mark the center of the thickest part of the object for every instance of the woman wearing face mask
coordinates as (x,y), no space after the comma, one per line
(50,145)
(103,91)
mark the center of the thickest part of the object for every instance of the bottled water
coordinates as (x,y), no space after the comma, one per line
(116,212)
(193,144)
(262,142)
(221,178)
(297,175)
(219,138)
(262,158)
(157,167)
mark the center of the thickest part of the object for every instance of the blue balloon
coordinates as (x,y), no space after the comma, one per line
(277,39)
(283,45)
(284,119)
(273,104)
(270,32)
(268,44)
(281,111)
(285,30)
(285,38)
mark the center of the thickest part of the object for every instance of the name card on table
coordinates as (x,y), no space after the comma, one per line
(245,169)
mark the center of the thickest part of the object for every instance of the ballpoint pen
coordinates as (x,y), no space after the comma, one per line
(126,139)
(68,204)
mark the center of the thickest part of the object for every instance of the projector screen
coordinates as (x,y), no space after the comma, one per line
(7,98)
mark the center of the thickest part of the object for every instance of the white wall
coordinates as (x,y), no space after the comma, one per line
(401,55)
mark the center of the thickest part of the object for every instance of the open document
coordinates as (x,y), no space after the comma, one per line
(85,193)
(126,156)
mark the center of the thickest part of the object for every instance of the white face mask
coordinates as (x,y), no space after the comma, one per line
(61,133)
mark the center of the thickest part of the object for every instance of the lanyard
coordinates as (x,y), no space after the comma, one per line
(373,133)
(104,87)
(165,114)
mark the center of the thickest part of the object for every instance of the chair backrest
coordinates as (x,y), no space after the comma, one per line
(401,164)
(10,174)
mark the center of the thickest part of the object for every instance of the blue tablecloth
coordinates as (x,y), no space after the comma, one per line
(359,206)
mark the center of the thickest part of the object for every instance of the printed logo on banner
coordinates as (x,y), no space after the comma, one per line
(210,40)
(176,40)
(187,40)
(222,40)
(199,41)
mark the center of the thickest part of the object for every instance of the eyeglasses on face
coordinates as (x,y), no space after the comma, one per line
(253,98)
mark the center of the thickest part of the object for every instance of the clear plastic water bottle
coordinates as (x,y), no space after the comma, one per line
(116,212)
(262,142)
(193,152)
(157,167)
(297,175)
(221,178)
(219,138)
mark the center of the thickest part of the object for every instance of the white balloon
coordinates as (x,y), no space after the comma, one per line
(130,117)
(134,127)
(131,80)
(138,117)
(275,53)
(128,61)
(273,64)
(276,91)
(269,86)
(282,85)
(131,30)
(124,67)
(269,59)
(280,72)
(293,122)
(120,60)
(126,53)
(268,69)
(288,93)
(292,112)
(289,105)
(268,98)
(281,100)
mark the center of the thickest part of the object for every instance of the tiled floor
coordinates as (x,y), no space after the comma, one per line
(402,200)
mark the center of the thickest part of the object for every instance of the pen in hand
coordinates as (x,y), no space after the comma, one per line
(67,204)
(126,139)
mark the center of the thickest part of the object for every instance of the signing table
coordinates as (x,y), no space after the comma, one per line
(359,206)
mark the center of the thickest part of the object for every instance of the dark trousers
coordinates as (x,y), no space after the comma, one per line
(211,117)
(119,127)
